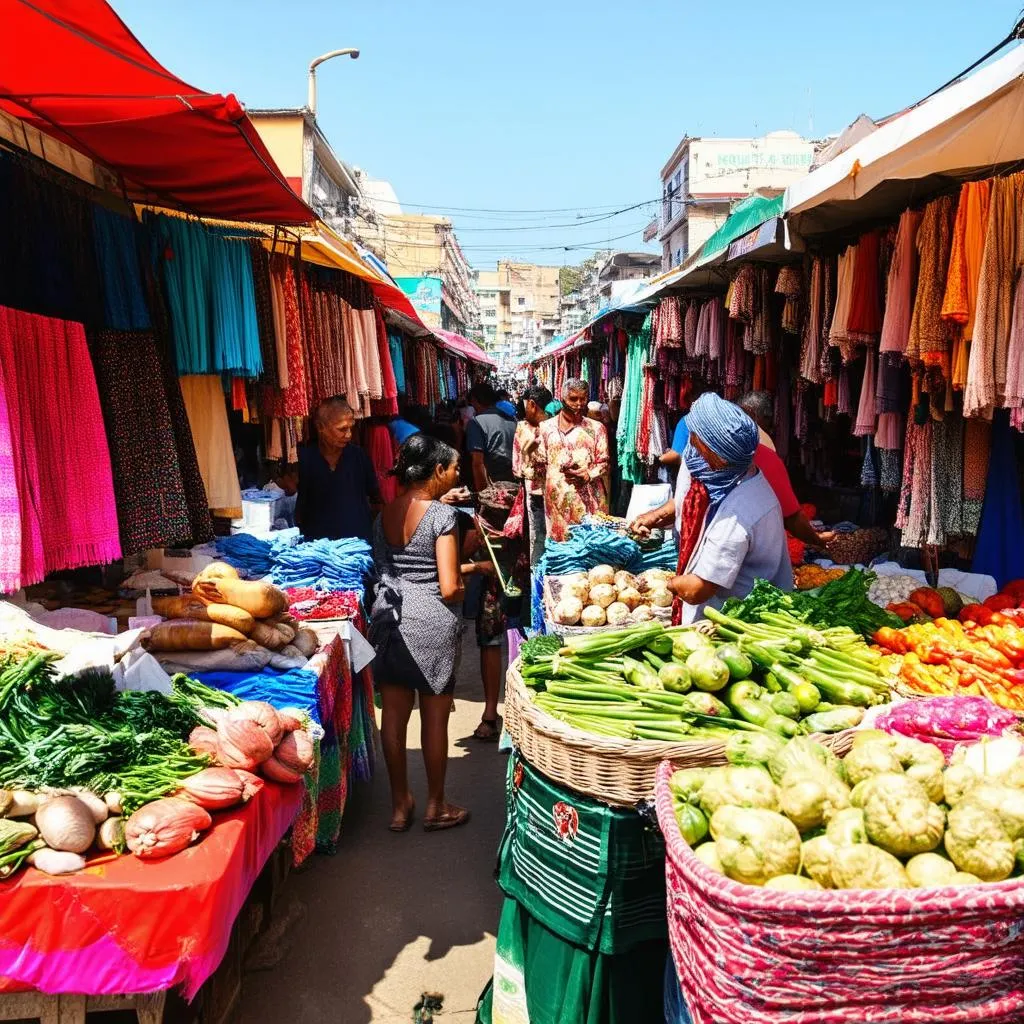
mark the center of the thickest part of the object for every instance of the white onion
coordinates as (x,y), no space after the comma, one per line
(593,615)
(617,613)
(601,574)
(630,597)
(577,589)
(661,597)
(568,611)
(602,595)
(624,579)
(642,613)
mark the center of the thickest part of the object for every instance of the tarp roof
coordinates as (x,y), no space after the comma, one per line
(73,69)
(745,216)
(463,346)
(970,127)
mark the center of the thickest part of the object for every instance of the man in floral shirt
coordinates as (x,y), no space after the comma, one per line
(574,450)
(524,457)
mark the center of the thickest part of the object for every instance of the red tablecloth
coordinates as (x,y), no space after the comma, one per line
(130,926)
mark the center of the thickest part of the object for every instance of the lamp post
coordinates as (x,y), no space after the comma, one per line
(314,64)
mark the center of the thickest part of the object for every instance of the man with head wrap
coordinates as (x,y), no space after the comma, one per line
(728,518)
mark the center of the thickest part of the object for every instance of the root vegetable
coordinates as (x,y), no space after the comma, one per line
(97,806)
(593,615)
(267,636)
(189,635)
(602,595)
(306,642)
(251,784)
(296,751)
(216,571)
(263,714)
(215,789)
(601,574)
(114,802)
(203,740)
(291,719)
(111,835)
(56,862)
(660,597)
(23,804)
(242,743)
(568,611)
(66,823)
(623,580)
(261,600)
(630,597)
(165,827)
(616,613)
(273,769)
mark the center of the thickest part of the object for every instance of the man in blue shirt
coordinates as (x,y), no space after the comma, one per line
(402,430)
(337,482)
(673,457)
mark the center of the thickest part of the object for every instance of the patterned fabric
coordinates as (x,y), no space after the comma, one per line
(901,285)
(931,337)
(586,447)
(912,515)
(264,311)
(295,399)
(152,508)
(810,348)
(524,467)
(1001,261)
(62,462)
(117,257)
(946,513)
(838,335)
(790,284)
(10,511)
(977,446)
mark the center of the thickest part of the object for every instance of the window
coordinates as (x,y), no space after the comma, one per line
(521,301)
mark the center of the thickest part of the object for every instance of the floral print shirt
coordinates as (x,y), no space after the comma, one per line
(585,446)
(524,458)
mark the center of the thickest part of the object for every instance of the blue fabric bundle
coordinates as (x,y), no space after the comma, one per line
(254,556)
(664,557)
(295,688)
(592,544)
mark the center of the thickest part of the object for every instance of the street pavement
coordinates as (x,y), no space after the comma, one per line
(390,917)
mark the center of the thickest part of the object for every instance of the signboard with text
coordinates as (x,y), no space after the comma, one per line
(425,295)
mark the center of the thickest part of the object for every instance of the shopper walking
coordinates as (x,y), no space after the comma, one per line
(415,623)
(574,452)
(525,466)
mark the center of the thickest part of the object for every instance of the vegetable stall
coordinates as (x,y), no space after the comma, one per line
(792,765)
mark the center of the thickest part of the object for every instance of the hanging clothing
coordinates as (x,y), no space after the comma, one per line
(864,425)
(152,507)
(62,472)
(999,552)
(864,320)
(811,345)
(916,492)
(295,395)
(790,284)
(946,520)
(637,356)
(265,322)
(959,304)
(838,334)
(977,446)
(397,361)
(208,420)
(901,285)
(117,257)
(931,337)
(1014,392)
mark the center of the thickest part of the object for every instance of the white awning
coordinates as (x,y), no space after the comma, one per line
(973,126)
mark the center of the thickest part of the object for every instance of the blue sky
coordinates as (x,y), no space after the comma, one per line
(562,104)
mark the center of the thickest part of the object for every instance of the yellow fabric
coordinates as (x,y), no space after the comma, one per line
(208,418)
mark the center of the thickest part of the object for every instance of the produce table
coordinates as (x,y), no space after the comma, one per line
(342,704)
(128,926)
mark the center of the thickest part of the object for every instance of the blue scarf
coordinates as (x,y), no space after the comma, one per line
(719,482)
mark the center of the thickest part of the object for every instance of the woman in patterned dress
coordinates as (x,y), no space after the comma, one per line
(416,625)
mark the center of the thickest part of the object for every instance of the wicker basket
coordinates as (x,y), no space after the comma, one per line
(614,771)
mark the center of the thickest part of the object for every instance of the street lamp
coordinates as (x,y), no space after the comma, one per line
(314,64)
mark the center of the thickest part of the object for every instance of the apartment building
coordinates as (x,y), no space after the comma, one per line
(519,308)
(705,176)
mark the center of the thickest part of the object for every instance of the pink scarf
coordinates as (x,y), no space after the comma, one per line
(59,447)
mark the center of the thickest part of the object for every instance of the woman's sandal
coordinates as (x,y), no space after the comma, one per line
(491,730)
(399,824)
(451,817)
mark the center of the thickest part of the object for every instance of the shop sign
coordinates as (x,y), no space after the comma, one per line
(425,295)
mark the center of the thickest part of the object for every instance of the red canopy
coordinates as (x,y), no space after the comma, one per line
(463,347)
(74,70)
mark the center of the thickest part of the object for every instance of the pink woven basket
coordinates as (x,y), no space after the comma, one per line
(746,955)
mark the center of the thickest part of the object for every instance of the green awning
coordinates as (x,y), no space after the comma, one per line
(749,214)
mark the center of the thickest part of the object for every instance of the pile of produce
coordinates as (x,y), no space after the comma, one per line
(308,604)
(604,596)
(891,815)
(1007,604)
(948,722)
(649,682)
(947,656)
(84,767)
(842,602)
(926,603)
(222,612)
(811,576)
(891,589)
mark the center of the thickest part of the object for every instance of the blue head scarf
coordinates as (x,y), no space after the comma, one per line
(731,434)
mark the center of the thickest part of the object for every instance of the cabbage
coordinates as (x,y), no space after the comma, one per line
(739,787)
(922,762)
(707,671)
(685,785)
(847,827)
(1003,802)
(930,870)
(751,748)
(871,758)
(867,867)
(806,755)
(977,843)
(707,853)
(811,800)
(898,815)
(687,642)
(792,883)
(754,844)
(816,860)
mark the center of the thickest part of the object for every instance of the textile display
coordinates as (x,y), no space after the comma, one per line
(208,419)
(118,258)
(61,459)
(129,925)
(999,553)
(152,507)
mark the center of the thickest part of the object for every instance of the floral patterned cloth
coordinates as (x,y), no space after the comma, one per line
(585,446)
(524,466)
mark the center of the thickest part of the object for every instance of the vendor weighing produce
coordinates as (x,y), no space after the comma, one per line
(728,518)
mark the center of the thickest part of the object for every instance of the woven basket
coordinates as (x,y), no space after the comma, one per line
(614,771)
(748,955)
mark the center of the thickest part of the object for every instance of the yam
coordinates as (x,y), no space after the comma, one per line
(260,600)
(217,571)
(190,635)
(306,642)
(188,606)
(267,636)
(286,631)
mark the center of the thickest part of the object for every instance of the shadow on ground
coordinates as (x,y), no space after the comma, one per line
(390,917)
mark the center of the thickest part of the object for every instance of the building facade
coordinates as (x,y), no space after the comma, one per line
(705,176)
(423,248)
(520,308)
(620,269)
